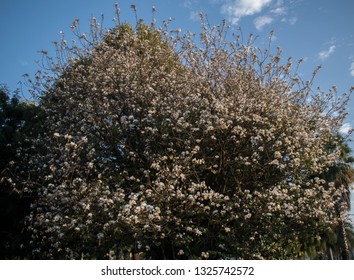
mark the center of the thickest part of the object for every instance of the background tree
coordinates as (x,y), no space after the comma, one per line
(344,177)
(339,239)
(165,146)
(19,121)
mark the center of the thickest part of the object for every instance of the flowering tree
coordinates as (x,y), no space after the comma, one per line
(160,145)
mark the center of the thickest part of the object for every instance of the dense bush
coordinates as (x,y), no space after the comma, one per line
(19,121)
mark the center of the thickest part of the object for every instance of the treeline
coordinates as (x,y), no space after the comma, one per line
(19,121)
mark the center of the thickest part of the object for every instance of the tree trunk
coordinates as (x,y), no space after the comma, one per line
(345,249)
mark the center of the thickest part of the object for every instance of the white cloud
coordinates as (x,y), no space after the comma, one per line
(351,69)
(346,128)
(279,3)
(259,22)
(293,20)
(236,9)
(192,5)
(279,11)
(194,16)
(189,4)
(325,54)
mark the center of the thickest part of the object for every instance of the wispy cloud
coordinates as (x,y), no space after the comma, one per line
(261,21)
(279,11)
(189,4)
(325,54)
(293,20)
(346,128)
(192,5)
(351,69)
(269,10)
(236,9)
(194,16)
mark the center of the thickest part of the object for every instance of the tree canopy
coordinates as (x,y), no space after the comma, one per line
(19,121)
(161,145)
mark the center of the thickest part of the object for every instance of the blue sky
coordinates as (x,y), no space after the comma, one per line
(319,31)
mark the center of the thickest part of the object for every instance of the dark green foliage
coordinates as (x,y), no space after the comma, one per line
(338,241)
(19,121)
